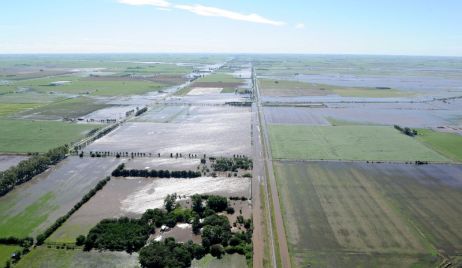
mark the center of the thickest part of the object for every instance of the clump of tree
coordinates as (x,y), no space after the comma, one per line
(29,168)
(406,131)
(118,234)
(232,164)
(141,111)
(120,171)
(60,221)
(170,254)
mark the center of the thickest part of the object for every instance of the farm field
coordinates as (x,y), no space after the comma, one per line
(448,144)
(35,205)
(296,88)
(11,108)
(372,143)
(70,108)
(133,196)
(209,138)
(370,215)
(22,136)
(51,257)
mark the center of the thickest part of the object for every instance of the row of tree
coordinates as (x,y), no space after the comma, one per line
(120,171)
(60,221)
(406,131)
(29,168)
(232,164)
(141,111)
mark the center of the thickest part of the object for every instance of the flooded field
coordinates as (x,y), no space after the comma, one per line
(35,205)
(165,138)
(7,161)
(162,163)
(133,196)
(360,214)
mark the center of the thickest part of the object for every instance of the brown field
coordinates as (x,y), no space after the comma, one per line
(369,215)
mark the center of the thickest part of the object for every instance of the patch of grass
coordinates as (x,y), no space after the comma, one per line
(228,90)
(11,108)
(22,224)
(232,261)
(6,251)
(447,144)
(22,136)
(69,108)
(52,257)
(374,143)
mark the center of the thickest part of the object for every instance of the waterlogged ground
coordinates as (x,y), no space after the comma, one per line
(33,206)
(7,161)
(133,196)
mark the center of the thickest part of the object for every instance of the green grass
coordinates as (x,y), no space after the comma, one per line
(22,136)
(6,251)
(68,108)
(297,88)
(22,224)
(369,215)
(80,85)
(52,257)
(447,144)
(375,143)
(231,261)
(219,77)
(11,108)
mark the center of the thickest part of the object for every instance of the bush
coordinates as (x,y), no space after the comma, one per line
(217,203)
(217,251)
(80,240)
(230,210)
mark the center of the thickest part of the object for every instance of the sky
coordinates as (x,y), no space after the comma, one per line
(386,27)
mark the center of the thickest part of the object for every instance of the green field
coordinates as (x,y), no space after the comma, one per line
(272,87)
(51,257)
(11,108)
(22,136)
(68,108)
(373,143)
(447,144)
(6,251)
(79,85)
(229,261)
(370,215)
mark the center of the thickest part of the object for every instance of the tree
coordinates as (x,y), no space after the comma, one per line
(217,203)
(80,240)
(196,225)
(170,202)
(217,251)
(197,204)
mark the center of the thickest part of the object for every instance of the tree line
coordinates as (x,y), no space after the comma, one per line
(29,168)
(406,131)
(232,164)
(141,111)
(120,171)
(60,221)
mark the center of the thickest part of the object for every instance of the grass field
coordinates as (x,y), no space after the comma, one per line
(79,85)
(272,87)
(11,108)
(22,136)
(69,108)
(447,144)
(229,261)
(51,257)
(370,215)
(377,143)
(6,251)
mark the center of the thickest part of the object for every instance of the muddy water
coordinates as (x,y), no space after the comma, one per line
(7,161)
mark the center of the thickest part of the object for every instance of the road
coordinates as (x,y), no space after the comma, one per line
(264,174)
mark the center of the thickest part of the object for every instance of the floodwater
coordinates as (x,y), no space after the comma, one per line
(7,161)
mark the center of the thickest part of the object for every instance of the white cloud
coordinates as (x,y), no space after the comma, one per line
(205,11)
(157,3)
(218,12)
(300,26)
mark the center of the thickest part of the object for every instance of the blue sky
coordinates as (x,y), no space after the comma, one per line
(397,27)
